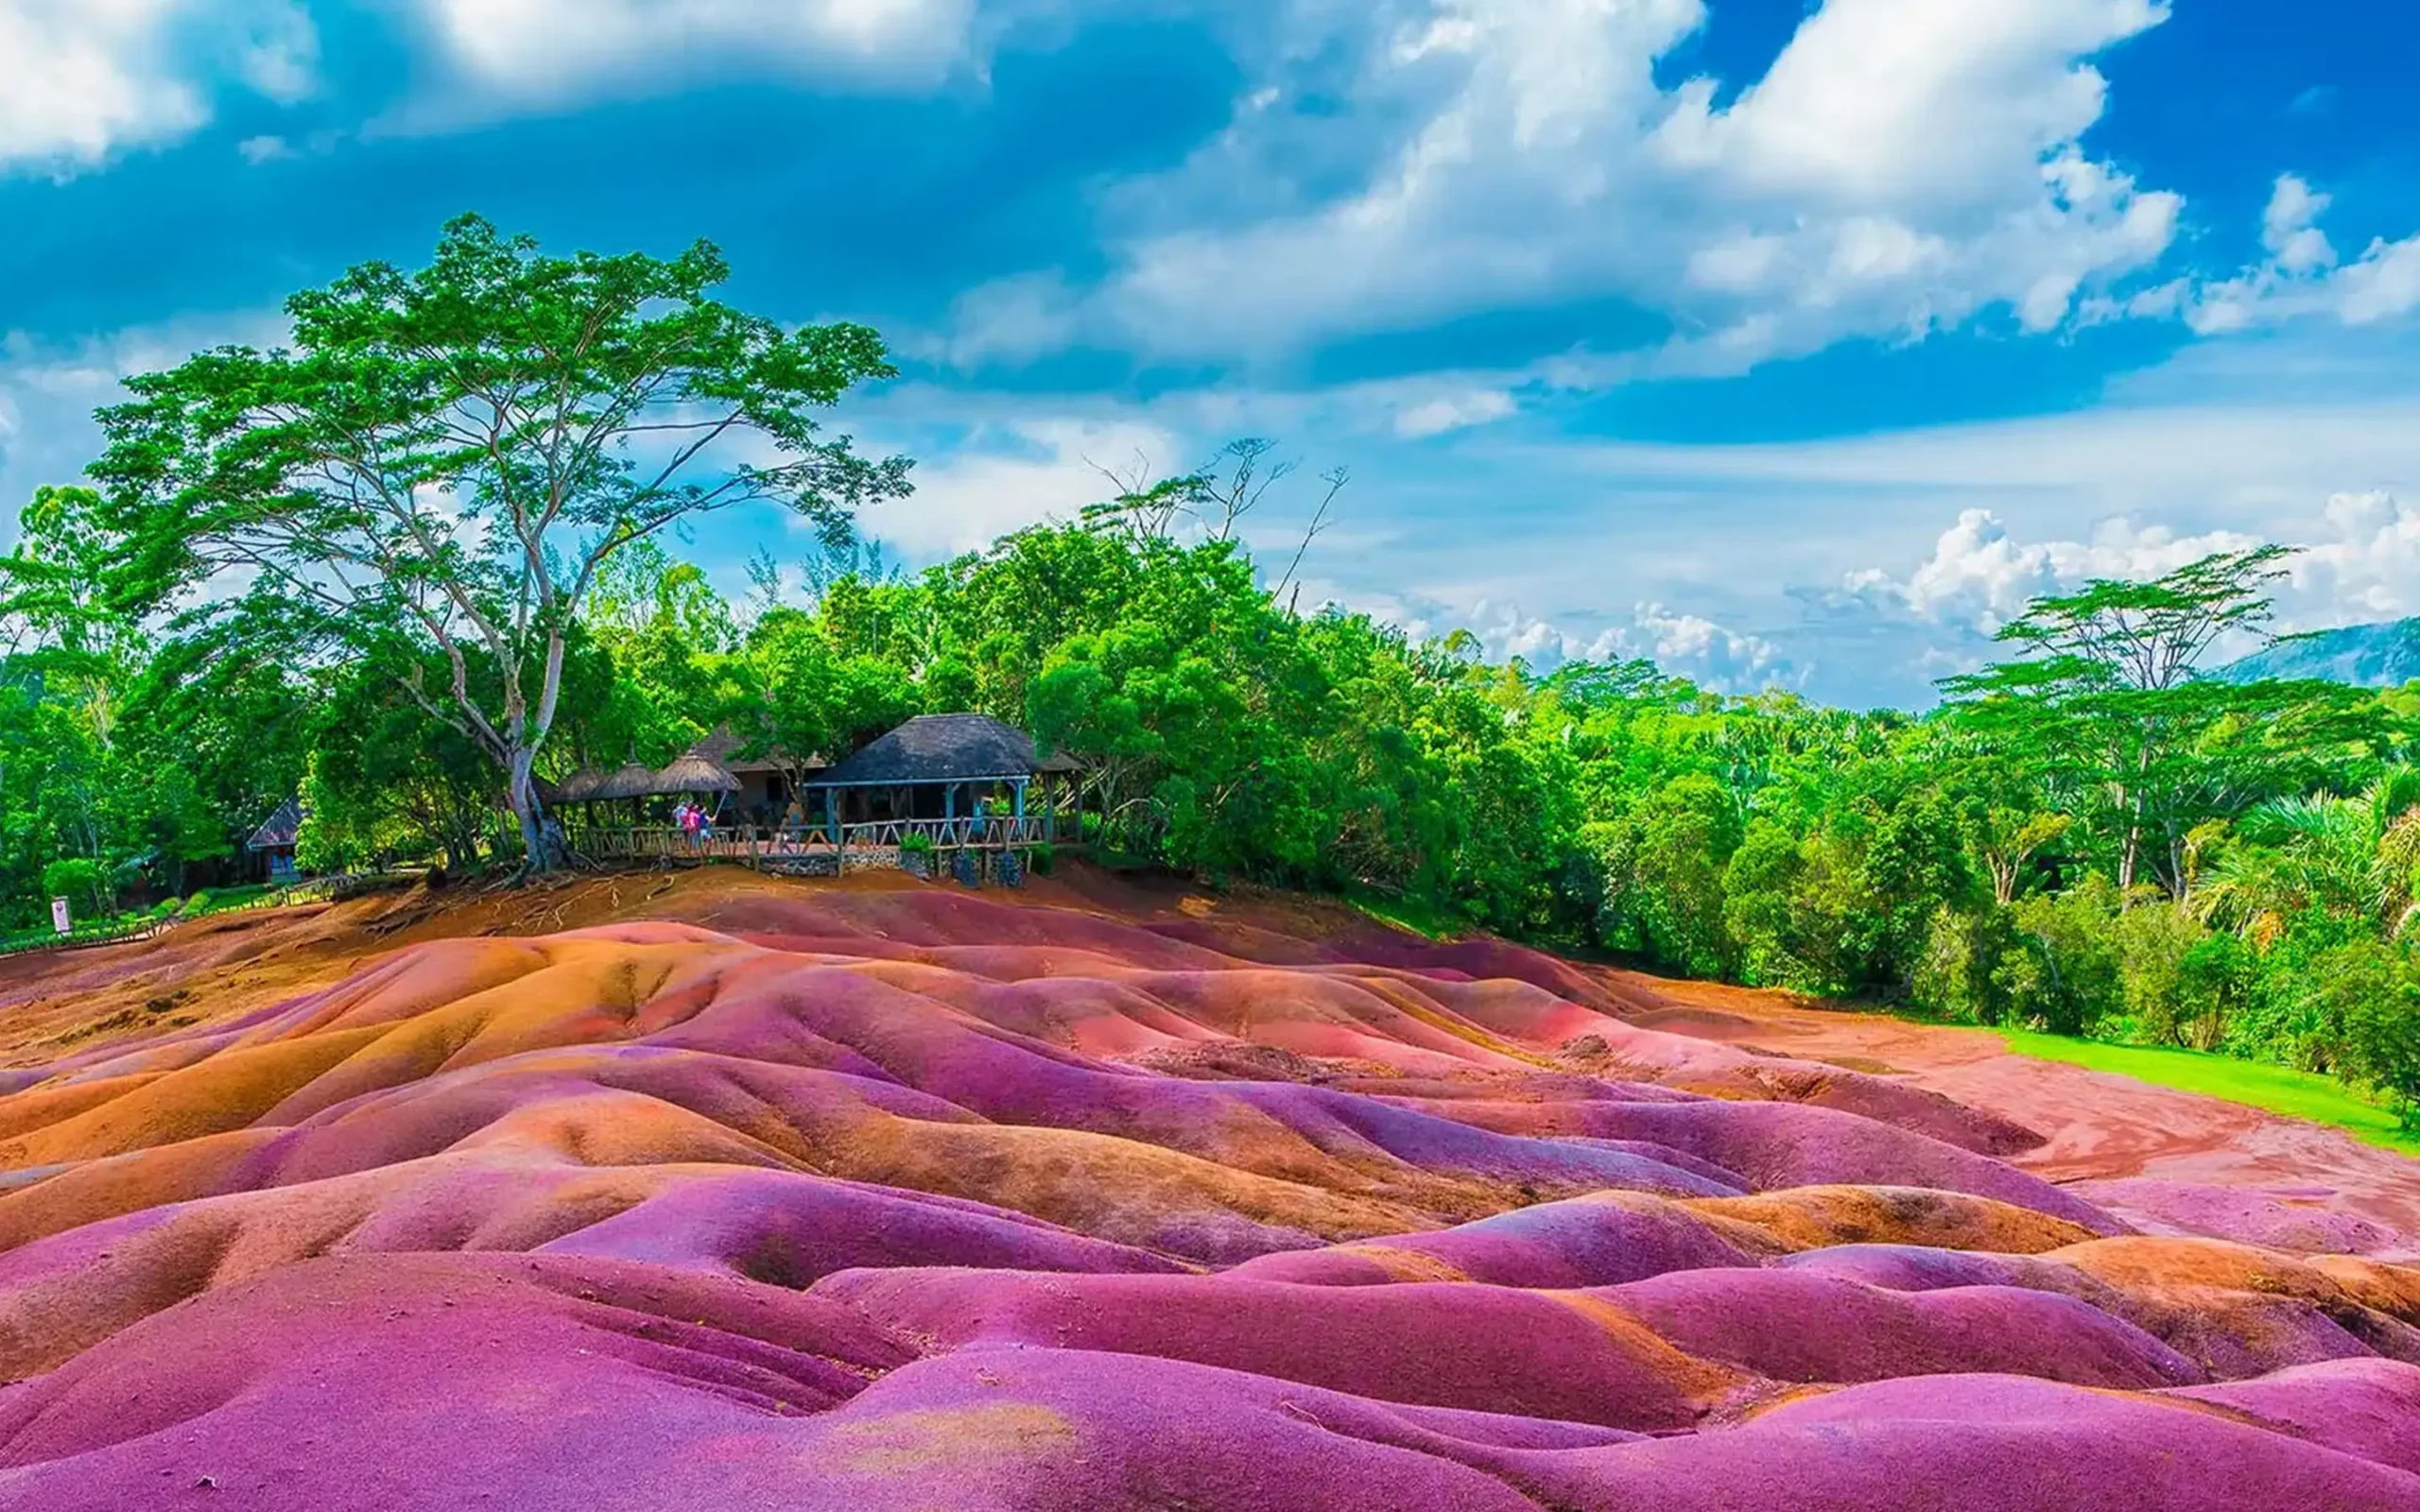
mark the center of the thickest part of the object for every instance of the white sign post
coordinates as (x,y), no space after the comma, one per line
(58,919)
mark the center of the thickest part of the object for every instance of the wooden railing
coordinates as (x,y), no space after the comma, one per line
(1003,833)
(868,844)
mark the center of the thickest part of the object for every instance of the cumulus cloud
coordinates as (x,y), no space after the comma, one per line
(1725,659)
(1712,655)
(2364,566)
(80,79)
(2359,562)
(1902,167)
(1980,575)
(2303,276)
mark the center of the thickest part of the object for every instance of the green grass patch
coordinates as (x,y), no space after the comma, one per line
(2273,1089)
(219,899)
(1413,918)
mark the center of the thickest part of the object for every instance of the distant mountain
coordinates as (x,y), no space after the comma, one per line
(2366,656)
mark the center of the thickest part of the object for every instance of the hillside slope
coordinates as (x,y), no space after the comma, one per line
(723,1191)
(2364,656)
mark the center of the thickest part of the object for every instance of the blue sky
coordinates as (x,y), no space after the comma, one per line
(1789,343)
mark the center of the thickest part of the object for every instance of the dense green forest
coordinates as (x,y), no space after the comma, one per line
(414,565)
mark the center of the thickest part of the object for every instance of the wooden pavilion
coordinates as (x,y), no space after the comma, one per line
(961,784)
(941,767)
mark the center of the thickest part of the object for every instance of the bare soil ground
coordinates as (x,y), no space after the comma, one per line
(2101,1128)
(2122,1139)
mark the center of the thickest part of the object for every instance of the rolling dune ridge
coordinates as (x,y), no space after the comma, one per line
(740,1193)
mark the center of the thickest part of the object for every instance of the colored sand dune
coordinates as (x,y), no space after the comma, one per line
(880,1196)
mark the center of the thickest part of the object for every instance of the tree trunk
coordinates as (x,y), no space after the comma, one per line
(2132,801)
(542,848)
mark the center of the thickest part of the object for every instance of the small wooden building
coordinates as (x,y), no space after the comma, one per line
(274,841)
(938,766)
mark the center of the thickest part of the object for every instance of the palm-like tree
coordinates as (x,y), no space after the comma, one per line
(2353,857)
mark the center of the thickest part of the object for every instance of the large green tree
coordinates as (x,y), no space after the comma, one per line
(454,454)
(2106,688)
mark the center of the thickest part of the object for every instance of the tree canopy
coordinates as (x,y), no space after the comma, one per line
(452,456)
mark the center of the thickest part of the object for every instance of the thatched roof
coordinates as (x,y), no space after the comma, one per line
(938,749)
(722,748)
(632,780)
(693,773)
(578,787)
(279,831)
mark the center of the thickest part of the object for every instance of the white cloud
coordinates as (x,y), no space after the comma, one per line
(2302,275)
(1882,103)
(1453,412)
(49,391)
(1013,475)
(2287,227)
(2359,562)
(1012,316)
(1724,660)
(1982,576)
(2365,565)
(2382,284)
(276,49)
(549,49)
(1904,166)
(1691,645)
(80,79)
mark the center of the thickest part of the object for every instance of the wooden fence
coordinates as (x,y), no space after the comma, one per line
(125,931)
(813,847)
(117,933)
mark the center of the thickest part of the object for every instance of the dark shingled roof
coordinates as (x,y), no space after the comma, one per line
(938,749)
(278,831)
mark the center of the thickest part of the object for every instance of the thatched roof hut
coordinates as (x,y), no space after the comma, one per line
(579,787)
(938,749)
(693,773)
(632,780)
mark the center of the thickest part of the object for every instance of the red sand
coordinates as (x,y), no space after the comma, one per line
(2102,1129)
(715,1191)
